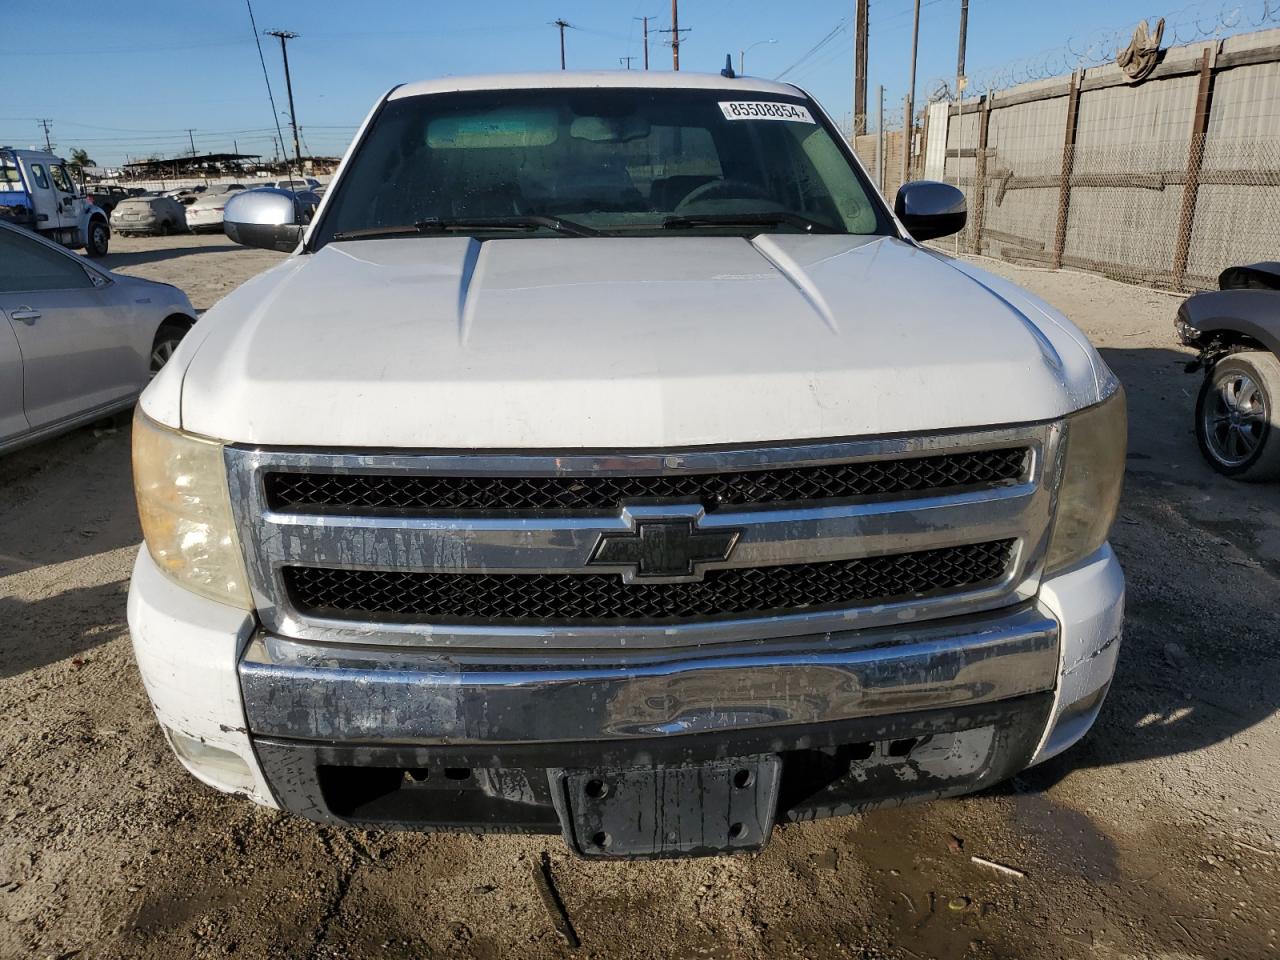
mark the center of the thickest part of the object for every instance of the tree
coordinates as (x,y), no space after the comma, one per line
(80,159)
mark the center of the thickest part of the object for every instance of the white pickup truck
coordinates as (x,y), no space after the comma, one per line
(43,193)
(609,460)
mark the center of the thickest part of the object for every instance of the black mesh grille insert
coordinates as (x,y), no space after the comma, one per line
(452,494)
(508,599)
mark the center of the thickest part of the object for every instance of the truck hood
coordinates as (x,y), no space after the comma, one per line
(621,342)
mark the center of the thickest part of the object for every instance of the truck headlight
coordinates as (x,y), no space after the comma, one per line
(1091,480)
(181,484)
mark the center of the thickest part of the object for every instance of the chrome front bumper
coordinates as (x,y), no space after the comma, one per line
(334,732)
(304,690)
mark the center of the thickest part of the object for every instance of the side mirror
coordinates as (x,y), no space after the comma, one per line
(266,218)
(929,209)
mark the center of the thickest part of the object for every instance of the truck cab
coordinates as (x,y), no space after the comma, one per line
(43,193)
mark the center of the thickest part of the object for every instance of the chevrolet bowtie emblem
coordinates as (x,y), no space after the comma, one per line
(665,549)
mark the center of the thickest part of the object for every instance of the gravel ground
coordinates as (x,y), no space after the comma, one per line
(1159,836)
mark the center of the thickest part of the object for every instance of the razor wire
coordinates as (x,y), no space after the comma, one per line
(1199,20)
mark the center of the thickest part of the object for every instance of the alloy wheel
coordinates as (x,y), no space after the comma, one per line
(1235,418)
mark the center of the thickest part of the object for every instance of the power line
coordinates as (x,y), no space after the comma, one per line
(265,76)
(831,35)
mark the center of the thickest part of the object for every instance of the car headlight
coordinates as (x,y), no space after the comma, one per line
(1092,476)
(183,502)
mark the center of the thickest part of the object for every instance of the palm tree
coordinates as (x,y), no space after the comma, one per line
(80,159)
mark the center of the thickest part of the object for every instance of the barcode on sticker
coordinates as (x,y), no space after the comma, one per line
(765,110)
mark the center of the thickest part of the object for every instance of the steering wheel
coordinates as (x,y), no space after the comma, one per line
(723,189)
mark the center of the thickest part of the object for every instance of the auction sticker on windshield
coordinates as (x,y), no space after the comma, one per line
(765,110)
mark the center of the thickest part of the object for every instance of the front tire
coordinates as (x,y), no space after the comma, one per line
(99,238)
(167,339)
(1238,417)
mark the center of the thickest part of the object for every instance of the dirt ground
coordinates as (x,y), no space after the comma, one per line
(1158,837)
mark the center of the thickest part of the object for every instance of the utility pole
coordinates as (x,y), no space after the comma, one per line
(646,39)
(45,125)
(961,82)
(284,36)
(906,136)
(911,99)
(675,32)
(626,60)
(192,139)
(561,24)
(880,139)
(862,15)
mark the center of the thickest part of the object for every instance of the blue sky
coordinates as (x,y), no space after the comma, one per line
(130,77)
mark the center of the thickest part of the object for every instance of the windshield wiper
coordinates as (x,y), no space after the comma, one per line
(434,225)
(770,218)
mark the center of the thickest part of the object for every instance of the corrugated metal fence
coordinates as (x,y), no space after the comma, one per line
(1163,182)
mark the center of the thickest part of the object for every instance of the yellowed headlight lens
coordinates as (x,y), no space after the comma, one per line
(1091,482)
(185,508)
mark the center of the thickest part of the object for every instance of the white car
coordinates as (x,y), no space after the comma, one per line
(77,342)
(206,212)
(298,185)
(609,460)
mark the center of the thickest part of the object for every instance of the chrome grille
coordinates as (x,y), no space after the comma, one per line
(507,599)
(502,549)
(466,494)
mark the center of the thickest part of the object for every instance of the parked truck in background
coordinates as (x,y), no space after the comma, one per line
(609,459)
(42,192)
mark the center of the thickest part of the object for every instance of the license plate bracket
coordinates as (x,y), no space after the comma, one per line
(647,812)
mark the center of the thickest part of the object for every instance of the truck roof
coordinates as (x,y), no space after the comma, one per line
(664,79)
(30,154)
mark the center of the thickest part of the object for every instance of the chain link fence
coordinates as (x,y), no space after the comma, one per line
(887,171)
(1164,181)
(1142,213)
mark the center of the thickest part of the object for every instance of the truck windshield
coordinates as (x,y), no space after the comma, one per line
(611,161)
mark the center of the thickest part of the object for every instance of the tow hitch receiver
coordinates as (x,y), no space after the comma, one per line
(635,813)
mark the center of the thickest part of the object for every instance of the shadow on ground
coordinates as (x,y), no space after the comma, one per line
(1199,662)
(68,525)
(67,498)
(116,261)
(69,623)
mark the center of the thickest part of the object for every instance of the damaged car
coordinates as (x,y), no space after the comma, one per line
(1236,331)
(149,215)
(608,459)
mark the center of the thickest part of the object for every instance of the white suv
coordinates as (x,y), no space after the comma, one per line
(608,459)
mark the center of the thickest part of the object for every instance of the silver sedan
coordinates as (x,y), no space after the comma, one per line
(77,342)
